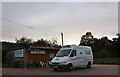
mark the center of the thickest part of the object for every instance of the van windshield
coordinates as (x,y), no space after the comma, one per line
(64,52)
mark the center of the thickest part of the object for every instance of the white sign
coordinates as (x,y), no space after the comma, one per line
(19,53)
(37,51)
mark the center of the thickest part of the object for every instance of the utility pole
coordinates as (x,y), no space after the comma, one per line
(62,38)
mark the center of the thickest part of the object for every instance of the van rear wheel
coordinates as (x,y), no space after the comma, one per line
(89,65)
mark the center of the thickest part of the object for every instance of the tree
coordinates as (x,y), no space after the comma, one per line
(87,39)
(42,42)
(116,45)
(6,47)
(54,42)
(105,42)
(24,41)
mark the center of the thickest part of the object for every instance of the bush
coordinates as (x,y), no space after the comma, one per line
(18,64)
(34,65)
(7,65)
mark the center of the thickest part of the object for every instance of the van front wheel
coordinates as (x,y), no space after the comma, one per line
(89,65)
(70,67)
(55,69)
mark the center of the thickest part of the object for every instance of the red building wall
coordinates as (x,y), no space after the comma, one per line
(41,57)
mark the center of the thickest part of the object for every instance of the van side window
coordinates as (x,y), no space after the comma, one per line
(73,53)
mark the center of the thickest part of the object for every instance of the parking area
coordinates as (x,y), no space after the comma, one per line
(95,70)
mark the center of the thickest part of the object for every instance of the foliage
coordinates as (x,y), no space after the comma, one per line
(43,42)
(9,57)
(24,41)
(87,39)
(107,61)
(7,46)
(18,64)
(34,65)
(102,47)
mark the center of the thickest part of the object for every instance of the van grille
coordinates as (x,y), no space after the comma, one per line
(55,63)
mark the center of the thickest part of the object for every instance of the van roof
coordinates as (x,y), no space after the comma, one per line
(73,46)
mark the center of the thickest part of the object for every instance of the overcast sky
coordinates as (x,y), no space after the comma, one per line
(47,20)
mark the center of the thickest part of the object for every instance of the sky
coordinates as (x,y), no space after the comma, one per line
(47,20)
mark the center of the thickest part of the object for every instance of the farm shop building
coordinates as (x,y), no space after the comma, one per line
(36,54)
(44,54)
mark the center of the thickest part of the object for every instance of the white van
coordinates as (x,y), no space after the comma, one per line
(72,56)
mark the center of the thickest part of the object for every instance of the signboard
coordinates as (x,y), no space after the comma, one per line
(19,53)
(37,51)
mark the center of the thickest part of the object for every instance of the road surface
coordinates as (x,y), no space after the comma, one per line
(95,70)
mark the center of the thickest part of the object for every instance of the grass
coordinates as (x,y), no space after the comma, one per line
(107,61)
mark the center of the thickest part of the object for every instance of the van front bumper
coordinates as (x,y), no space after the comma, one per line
(59,66)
